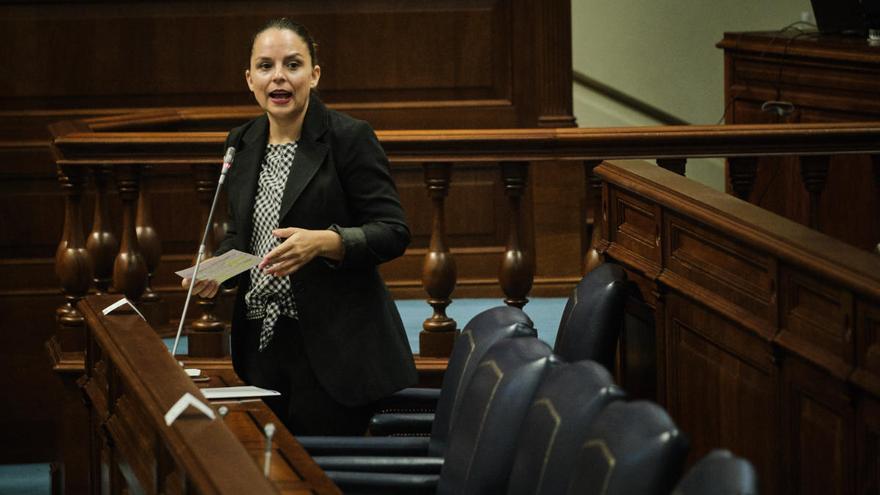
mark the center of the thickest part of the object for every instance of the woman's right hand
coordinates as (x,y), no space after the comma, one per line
(203,288)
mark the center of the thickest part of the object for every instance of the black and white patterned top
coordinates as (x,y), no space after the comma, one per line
(269,296)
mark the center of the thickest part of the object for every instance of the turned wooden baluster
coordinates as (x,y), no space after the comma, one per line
(73,265)
(676,165)
(742,171)
(148,239)
(875,161)
(130,267)
(102,243)
(814,170)
(517,270)
(207,334)
(593,188)
(438,271)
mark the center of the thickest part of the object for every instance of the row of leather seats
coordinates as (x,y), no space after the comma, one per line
(515,416)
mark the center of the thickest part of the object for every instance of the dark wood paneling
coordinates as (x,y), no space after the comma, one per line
(722,382)
(768,335)
(820,447)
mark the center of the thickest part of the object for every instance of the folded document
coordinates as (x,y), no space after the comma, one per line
(242,392)
(223,267)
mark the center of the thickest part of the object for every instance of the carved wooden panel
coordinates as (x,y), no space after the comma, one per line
(731,276)
(819,415)
(722,387)
(817,318)
(634,226)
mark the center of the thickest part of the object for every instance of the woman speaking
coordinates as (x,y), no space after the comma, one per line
(311,193)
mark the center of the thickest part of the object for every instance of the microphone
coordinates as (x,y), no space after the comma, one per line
(227,164)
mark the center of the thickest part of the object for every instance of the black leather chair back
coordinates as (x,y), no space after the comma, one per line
(719,473)
(565,405)
(632,448)
(593,317)
(482,441)
(484,330)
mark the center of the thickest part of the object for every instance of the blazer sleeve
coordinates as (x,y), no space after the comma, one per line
(378,230)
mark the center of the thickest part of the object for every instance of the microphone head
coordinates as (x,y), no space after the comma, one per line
(229,156)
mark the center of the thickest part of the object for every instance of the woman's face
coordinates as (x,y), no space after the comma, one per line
(281,74)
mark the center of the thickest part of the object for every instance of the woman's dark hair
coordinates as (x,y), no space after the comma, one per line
(299,29)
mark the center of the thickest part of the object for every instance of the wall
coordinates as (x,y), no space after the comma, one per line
(663,53)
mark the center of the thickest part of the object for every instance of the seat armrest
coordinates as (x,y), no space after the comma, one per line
(389,446)
(411,424)
(381,464)
(354,482)
(412,399)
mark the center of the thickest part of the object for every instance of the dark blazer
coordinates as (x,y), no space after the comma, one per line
(340,179)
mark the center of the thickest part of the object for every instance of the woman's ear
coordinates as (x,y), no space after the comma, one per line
(247,78)
(316,76)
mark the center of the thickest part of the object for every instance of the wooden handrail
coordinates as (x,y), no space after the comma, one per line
(76,146)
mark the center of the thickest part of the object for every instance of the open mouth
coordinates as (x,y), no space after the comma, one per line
(280,96)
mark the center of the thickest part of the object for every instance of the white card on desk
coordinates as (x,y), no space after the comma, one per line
(223,267)
(193,371)
(237,392)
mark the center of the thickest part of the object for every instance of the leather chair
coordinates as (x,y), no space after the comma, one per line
(590,326)
(564,407)
(593,317)
(480,333)
(483,437)
(632,448)
(719,473)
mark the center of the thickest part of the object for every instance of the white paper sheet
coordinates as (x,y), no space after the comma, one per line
(186,400)
(223,267)
(119,303)
(237,392)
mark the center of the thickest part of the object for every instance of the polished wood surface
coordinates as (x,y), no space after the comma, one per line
(824,78)
(131,381)
(763,329)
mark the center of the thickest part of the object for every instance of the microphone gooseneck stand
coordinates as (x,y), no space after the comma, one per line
(227,163)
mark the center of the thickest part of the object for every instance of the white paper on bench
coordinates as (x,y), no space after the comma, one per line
(237,392)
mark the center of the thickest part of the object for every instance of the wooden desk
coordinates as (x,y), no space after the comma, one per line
(131,381)
(826,79)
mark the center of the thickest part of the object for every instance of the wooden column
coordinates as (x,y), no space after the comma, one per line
(130,268)
(814,170)
(676,165)
(517,270)
(148,239)
(73,266)
(593,187)
(742,172)
(102,243)
(552,25)
(207,335)
(438,272)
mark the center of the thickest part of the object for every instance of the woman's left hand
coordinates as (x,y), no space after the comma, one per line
(299,247)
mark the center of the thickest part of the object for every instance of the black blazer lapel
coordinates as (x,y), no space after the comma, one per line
(247,163)
(310,154)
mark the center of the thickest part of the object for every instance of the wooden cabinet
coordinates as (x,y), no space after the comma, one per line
(766,331)
(809,78)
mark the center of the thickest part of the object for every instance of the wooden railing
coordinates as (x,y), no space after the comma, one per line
(762,336)
(131,381)
(122,147)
